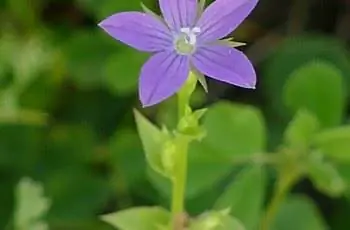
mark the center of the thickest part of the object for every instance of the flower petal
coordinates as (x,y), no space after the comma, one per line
(162,76)
(138,30)
(225,64)
(222,17)
(179,13)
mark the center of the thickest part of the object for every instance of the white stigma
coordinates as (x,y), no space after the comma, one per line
(191,34)
(186,40)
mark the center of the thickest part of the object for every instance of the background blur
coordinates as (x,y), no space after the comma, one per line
(67,91)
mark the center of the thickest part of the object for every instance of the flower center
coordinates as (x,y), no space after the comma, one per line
(185,41)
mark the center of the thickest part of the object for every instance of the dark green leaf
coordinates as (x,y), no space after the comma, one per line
(245,196)
(298,212)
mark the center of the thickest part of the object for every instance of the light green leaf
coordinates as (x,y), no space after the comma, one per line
(152,139)
(138,218)
(229,42)
(335,143)
(235,130)
(317,87)
(298,212)
(31,206)
(301,129)
(216,220)
(201,79)
(325,176)
(245,196)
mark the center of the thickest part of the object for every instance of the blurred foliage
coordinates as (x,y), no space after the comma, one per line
(67,93)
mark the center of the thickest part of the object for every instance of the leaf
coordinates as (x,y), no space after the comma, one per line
(201,79)
(20,142)
(31,205)
(235,130)
(293,53)
(317,87)
(152,140)
(298,212)
(77,190)
(85,62)
(334,143)
(213,157)
(203,162)
(301,129)
(325,176)
(150,12)
(244,196)
(104,8)
(126,156)
(139,218)
(216,220)
(120,76)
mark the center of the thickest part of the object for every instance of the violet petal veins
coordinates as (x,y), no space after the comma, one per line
(222,17)
(138,30)
(217,61)
(162,76)
(181,41)
(179,13)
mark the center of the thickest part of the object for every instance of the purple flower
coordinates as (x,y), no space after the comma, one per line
(186,39)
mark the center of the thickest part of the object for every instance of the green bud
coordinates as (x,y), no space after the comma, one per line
(168,156)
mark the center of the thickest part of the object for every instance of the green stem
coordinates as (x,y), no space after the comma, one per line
(180,170)
(285,182)
(179,182)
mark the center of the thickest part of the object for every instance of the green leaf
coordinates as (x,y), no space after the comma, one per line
(334,143)
(85,62)
(201,79)
(235,130)
(31,205)
(139,218)
(104,8)
(245,196)
(298,212)
(126,157)
(153,140)
(301,129)
(204,162)
(293,53)
(317,87)
(325,176)
(76,190)
(216,220)
(150,12)
(120,76)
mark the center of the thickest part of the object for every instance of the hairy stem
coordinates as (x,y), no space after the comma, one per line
(284,184)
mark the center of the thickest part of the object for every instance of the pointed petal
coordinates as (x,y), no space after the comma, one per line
(162,76)
(179,13)
(222,17)
(138,30)
(225,64)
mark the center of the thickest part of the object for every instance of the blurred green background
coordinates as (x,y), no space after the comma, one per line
(67,91)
